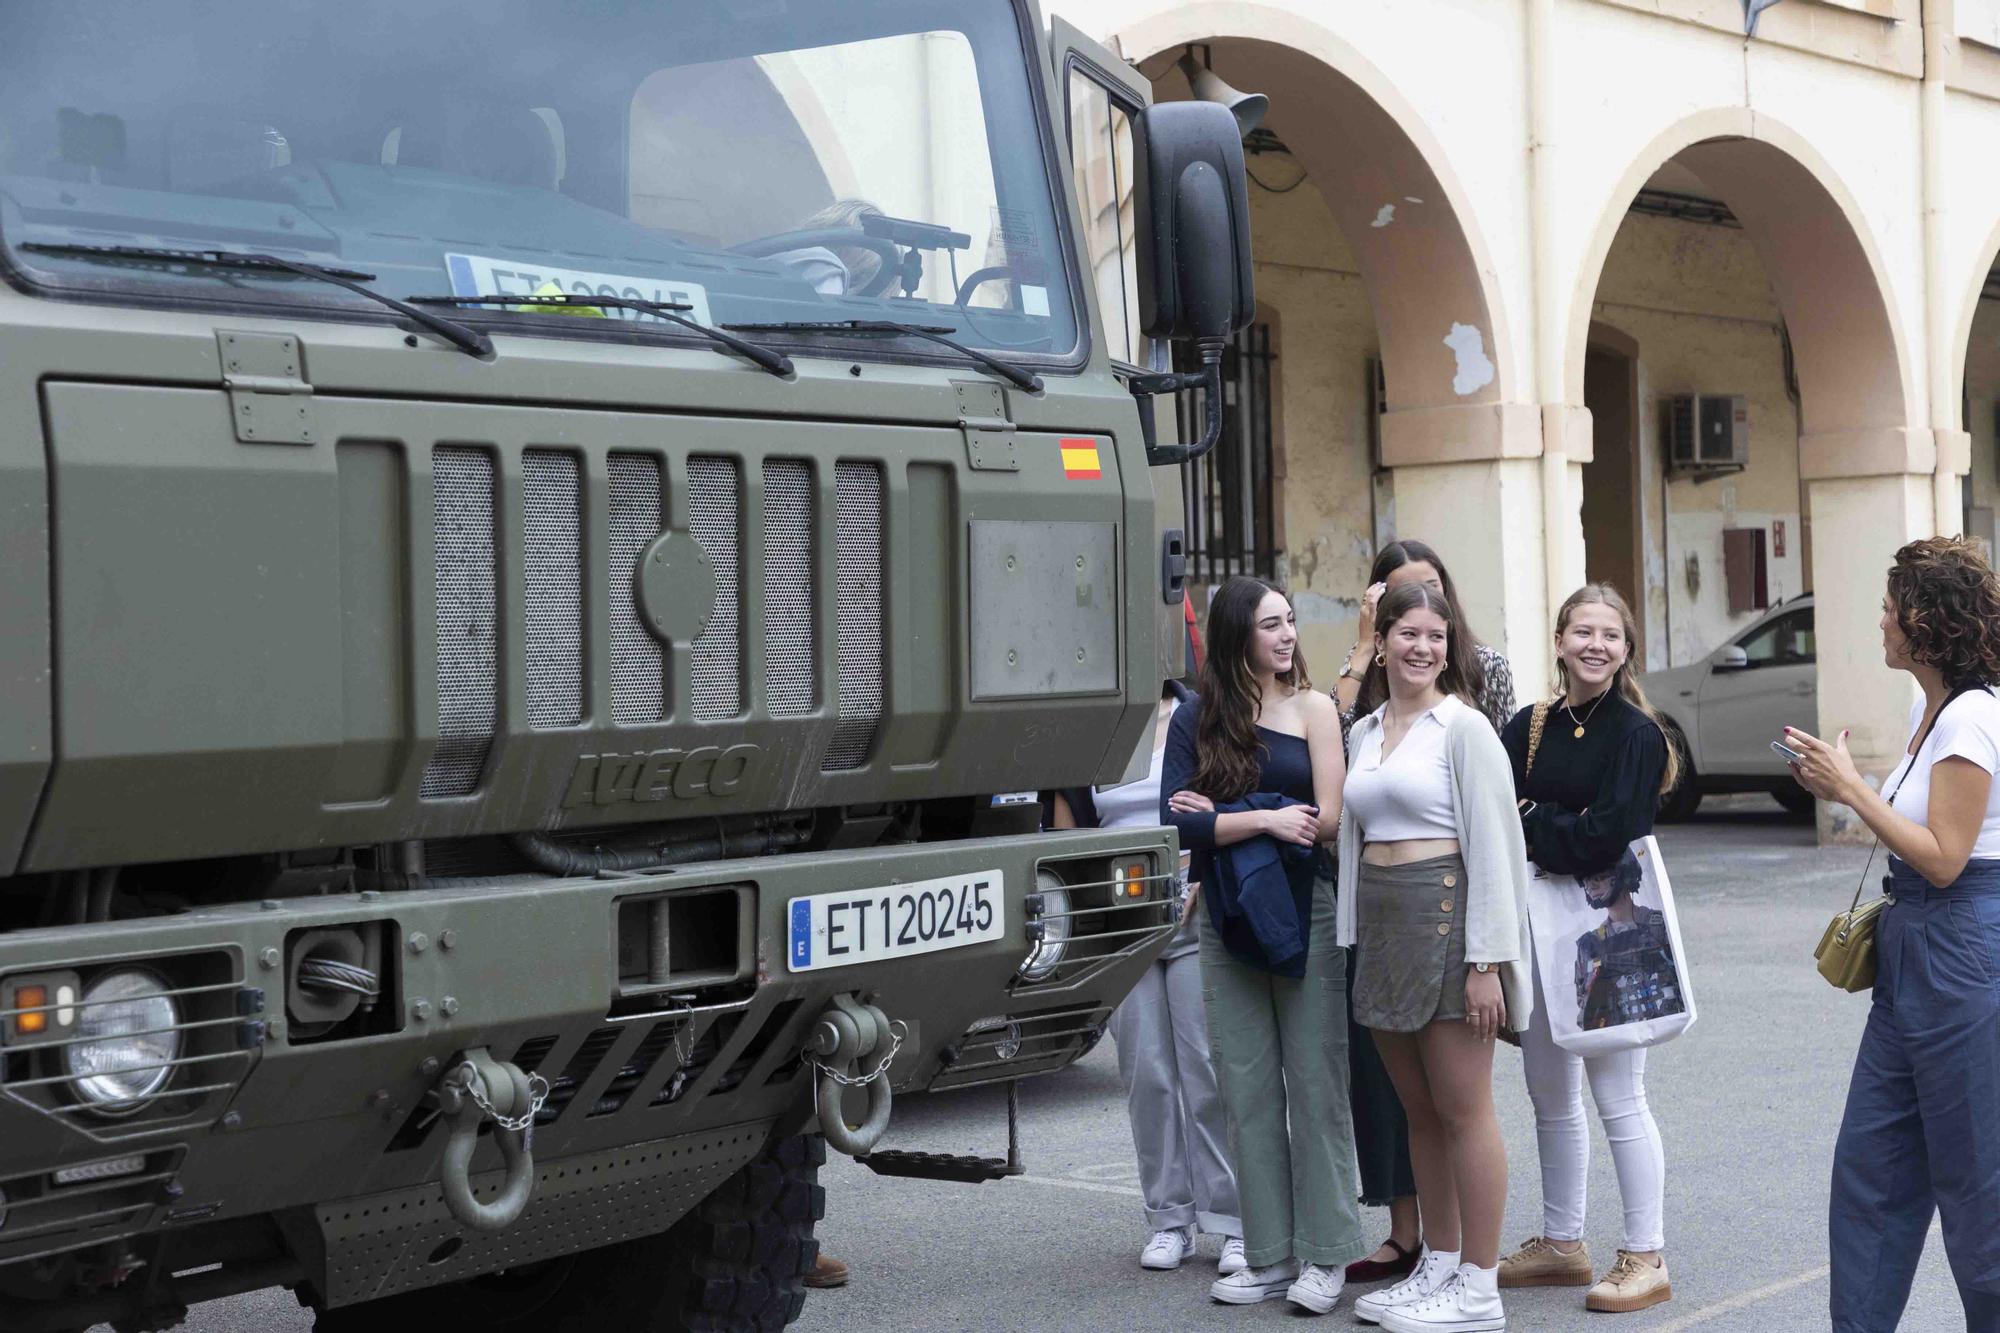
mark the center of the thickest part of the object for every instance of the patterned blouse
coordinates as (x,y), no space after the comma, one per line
(1496,696)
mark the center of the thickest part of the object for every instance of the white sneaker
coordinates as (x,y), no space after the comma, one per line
(1432,1271)
(1318,1288)
(1232,1260)
(1164,1252)
(1254,1285)
(1468,1302)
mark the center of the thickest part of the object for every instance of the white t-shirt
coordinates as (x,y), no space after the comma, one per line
(1968,728)
(1408,796)
(1137,804)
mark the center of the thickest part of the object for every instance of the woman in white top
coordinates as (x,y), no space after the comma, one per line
(1433,888)
(1921,1133)
(1178,1127)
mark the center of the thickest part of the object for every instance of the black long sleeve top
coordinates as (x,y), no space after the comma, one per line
(1595,794)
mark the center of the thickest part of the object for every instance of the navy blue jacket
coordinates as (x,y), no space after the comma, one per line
(1260,896)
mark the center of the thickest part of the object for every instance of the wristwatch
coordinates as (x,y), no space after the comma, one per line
(1347,672)
(1482,967)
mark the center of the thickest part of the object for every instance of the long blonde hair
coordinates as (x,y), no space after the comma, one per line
(1625,682)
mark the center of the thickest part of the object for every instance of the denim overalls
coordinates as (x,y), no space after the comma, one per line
(1922,1128)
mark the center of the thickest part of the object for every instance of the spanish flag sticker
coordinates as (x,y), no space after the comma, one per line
(1080,461)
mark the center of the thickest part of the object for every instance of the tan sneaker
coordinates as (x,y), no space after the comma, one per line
(1538,1263)
(1632,1284)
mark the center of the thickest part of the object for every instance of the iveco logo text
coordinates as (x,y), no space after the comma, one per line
(706,770)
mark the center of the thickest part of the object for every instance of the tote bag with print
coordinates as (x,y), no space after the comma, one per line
(1608,954)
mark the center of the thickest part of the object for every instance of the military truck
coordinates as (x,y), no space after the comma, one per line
(549,545)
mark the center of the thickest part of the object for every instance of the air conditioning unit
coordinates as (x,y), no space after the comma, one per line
(1706,432)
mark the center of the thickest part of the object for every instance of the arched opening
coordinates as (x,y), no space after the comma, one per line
(1395,375)
(1769,398)
(1978,361)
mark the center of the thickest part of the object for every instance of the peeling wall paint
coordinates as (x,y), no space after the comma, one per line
(1384,216)
(1475,368)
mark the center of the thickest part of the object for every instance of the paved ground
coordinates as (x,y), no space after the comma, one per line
(1748,1104)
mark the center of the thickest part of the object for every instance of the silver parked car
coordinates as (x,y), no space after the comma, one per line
(1725,710)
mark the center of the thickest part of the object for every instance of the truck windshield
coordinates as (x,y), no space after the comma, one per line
(754,161)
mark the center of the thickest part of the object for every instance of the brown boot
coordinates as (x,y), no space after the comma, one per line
(1632,1284)
(827,1272)
(1538,1263)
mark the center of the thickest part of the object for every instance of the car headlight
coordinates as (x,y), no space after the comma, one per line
(1047,954)
(125,1040)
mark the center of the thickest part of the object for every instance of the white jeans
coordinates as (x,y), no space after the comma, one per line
(1618,1086)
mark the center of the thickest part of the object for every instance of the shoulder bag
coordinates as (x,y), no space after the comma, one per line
(1846,952)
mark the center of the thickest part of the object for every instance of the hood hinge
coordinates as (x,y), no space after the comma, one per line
(988,431)
(270,401)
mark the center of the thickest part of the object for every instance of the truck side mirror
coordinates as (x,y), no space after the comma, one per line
(1194,256)
(1194,250)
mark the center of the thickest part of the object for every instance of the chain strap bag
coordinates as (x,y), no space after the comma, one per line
(1846,952)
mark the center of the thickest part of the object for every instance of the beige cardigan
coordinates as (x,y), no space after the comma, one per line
(1489,838)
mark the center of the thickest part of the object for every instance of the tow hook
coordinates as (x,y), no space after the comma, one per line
(845,1038)
(477,1087)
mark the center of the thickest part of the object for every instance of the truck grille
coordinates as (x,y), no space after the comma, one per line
(802,531)
(462,539)
(790,669)
(714,518)
(552,533)
(858,598)
(638,667)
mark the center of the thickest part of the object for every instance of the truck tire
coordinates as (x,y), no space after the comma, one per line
(736,1264)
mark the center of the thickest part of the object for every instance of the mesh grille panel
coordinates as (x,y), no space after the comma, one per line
(638,662)
(552,529)
(858,567)
(788,589)
(714,508)
(467,630)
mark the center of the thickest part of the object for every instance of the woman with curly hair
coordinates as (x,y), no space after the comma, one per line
(1921,1133)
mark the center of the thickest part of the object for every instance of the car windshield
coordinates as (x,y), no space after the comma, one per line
(753,161)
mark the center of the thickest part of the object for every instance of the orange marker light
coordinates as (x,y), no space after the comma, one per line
(1135,880)
(31,1024)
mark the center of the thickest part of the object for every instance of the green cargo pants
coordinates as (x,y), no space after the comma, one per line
(1281,1063)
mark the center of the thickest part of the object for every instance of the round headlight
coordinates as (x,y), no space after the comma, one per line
(1047,955)
(124,1042)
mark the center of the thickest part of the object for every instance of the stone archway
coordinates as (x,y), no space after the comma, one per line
(1865,450)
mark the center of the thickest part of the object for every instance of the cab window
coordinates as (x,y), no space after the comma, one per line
(1100,145)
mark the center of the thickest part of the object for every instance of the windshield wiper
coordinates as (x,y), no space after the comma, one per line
(887,327)
(775,362)
(470,341)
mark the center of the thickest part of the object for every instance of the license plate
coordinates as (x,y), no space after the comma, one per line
(483,275)
(869,925)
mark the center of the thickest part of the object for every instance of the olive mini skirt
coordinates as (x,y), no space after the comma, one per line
(1410,926)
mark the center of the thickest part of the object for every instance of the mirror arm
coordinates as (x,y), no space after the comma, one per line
(1209,380)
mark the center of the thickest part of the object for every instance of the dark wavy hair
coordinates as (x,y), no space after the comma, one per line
(1947,602)
(1227,751)
(1410,551)
(1461,659)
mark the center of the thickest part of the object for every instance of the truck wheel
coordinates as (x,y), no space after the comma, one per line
(736,1264)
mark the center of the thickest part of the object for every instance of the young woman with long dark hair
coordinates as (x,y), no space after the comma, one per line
(1921,1133)
(1602,765)
(1381,1135)
(1252,774)
(1432,888)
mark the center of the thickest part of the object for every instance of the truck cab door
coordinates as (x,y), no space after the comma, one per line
(1103,100)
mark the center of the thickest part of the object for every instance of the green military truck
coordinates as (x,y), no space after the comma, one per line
(549,545)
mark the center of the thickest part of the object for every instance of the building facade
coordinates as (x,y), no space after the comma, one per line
(1609,289)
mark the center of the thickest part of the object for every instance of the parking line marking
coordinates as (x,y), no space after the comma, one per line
(1087,1186)
(1742,1299)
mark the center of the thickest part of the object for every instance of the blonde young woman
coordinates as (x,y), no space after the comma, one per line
(1433,884)
(1598,776)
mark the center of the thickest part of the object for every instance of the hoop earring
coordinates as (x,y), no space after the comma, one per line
(1381,659)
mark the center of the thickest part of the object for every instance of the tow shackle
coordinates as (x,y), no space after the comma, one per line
(850,1034)
(472,1090)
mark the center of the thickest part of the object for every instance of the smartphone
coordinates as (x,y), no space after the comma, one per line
(1786,753)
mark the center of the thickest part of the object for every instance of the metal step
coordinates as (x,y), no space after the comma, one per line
(937,1166)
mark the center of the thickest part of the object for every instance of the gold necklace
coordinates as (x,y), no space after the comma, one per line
(1595,705)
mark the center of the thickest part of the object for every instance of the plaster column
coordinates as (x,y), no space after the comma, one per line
(1870,492)
(1469,481)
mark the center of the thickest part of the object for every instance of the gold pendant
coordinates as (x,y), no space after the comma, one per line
(1578,733)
